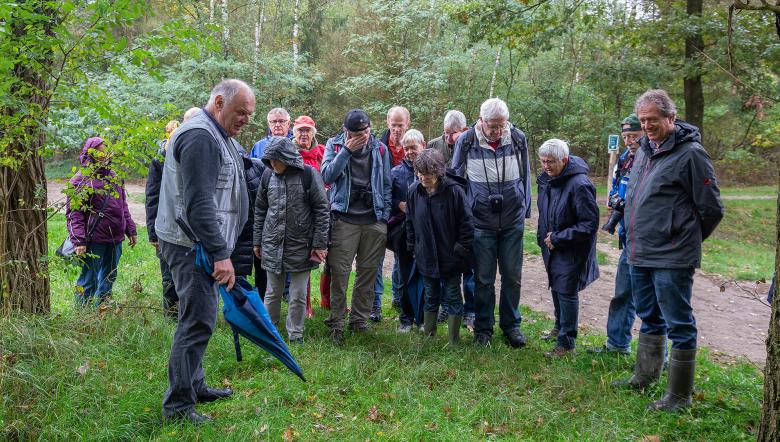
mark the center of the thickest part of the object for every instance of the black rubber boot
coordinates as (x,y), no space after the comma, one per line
(649,361)
(453,329)
(678,392)
(429,323)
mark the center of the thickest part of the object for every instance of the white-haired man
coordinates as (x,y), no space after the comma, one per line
(278,126)
(454,126)
(493,156)
(203,186)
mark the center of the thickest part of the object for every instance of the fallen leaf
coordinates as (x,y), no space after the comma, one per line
(226,383)
(289,434)
(147,409)
(722,288)
(373,414)
(83,369)
(149,375)
(231,428)
(264,428)
(539,421)
(652,438)
(447,409)
(101,364)
(572,410)
(432,426)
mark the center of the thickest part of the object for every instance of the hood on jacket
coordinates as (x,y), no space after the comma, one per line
(575,166)
(683,133)
(86,158)
(284,150)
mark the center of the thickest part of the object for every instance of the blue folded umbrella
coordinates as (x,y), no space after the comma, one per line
(245,313)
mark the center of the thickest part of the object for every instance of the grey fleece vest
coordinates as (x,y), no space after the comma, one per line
(230,197)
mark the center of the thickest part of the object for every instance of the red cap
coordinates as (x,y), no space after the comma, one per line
(304,121)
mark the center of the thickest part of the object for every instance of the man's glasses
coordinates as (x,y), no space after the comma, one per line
(277,122)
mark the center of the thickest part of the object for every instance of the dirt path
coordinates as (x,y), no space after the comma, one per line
(730,321)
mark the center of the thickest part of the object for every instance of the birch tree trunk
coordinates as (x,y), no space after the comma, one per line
(495,69)
(258,33)
(225,27)
(295,33)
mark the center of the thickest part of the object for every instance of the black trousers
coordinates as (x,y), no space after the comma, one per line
(198,302)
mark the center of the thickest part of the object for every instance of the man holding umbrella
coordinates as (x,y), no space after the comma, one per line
(203,187)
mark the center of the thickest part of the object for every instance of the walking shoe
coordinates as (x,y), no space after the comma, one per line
(190,416)
(515,338)
(482,340)
(213,394)
(549,335)
(442,315)
(296,341)
(559,352)
(608,349)
(376,314)
(404,328)
(337,336)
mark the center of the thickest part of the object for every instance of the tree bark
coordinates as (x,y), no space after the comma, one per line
(24,278)
(296,12)
(769,430)
(692,84)
(495,69)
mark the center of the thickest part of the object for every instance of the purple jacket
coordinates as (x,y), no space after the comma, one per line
(116,221)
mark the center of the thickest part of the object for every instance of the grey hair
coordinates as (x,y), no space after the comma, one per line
(430,162)
(660,98)
(455,120)
(404,111)
(555,148)
(228,89)
(413,136)
(190,113)
(494,109)
(278,110)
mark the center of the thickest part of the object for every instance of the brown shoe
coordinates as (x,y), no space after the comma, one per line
(559,352)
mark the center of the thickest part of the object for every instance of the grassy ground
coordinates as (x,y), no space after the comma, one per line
(100,375)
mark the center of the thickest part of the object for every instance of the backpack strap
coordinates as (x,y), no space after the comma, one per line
(265,179)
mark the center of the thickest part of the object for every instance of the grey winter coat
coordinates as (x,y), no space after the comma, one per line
(289,222)
(672,203)
(568,210)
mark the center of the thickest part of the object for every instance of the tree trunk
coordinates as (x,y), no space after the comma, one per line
(24,278)
(296,12)
(225,27)
(769,431)
(495,69)
(258,33)
(692,86)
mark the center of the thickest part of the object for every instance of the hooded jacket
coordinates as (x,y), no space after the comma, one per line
(505,170)
(672,203)
(568,209)
(243,255)
(152,191)
(439,228)
(102,189)
(336,172)
(289,221)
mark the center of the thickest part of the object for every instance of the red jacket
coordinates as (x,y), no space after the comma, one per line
(313,156)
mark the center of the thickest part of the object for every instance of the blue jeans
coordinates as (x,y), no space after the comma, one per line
(468,293)
(396,280)
(663,302)
(621,308)
(567,306)
(441,290)
(98,273)
(379,284)
(506,248)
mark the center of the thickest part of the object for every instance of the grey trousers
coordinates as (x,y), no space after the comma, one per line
(364,244)
(296,311)
(198,302)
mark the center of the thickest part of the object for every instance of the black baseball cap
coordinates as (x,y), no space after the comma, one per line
(356,120)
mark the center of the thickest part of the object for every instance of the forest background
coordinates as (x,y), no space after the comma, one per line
(567,69)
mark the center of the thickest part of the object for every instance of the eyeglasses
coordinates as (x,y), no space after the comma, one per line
(277,122)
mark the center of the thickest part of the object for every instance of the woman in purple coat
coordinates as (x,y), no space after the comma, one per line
(98,220)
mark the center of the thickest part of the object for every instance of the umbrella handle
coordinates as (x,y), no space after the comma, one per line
(237,344)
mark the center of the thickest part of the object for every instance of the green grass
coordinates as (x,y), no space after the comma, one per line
(62,169)
(747,191)
(743,245)
(90,375)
